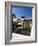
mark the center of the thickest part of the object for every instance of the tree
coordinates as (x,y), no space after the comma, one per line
(13,23)
(13,15)
(23,17)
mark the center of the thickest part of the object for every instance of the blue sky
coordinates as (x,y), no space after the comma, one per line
(22,11)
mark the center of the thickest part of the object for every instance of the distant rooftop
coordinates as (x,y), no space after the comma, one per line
(28,20)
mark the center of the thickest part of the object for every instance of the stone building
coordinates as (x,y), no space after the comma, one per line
(25,23)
